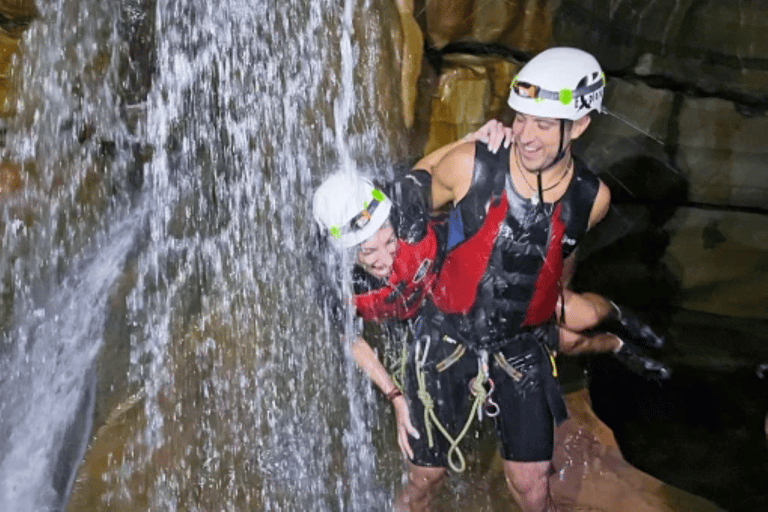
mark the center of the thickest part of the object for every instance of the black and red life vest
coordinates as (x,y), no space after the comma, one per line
(505,255)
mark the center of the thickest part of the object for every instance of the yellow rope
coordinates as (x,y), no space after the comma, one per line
(397,369)
(478,389)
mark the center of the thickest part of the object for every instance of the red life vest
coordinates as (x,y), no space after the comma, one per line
(413,274)
(456,289)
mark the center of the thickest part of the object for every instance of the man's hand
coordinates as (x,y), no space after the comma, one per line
(493,133)
(404,426)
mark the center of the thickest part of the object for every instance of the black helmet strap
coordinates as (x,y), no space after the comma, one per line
(559,156)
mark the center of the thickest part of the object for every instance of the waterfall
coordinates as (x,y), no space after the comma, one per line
(65,240)
(47,380)
(201,216)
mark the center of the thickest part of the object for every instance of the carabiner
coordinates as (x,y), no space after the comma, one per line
(491,408)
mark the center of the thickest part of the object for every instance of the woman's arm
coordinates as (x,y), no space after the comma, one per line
(367,360)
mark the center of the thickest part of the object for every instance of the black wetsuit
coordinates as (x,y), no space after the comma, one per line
(485,308)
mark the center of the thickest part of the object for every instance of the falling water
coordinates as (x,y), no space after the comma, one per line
(47,386)
(246,400)
(64,243)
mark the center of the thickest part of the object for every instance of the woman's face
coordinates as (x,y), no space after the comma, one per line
(377,254)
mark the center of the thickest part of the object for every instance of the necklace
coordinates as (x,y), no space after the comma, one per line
(535,198)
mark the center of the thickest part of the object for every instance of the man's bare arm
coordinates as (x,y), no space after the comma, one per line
(452,175)
(451,166)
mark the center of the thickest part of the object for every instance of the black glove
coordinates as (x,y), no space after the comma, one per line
(631,329)
(410,193)
(639,363)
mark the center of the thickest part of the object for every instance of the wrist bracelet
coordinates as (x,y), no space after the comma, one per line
(394,394)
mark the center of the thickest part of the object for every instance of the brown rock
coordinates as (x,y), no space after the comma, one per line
(591,474)
(121,473)
(10,178)
(521,24)
(471,91)
(9,46)
(720,259)
(411,54)
(95,488)
(19,9)
(723,153)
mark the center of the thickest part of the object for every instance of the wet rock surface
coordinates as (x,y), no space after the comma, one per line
(706,47)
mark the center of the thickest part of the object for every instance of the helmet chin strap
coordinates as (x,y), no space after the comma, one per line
(559,156)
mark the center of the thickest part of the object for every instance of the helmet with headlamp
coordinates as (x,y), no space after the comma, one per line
(559,83)
(349,209)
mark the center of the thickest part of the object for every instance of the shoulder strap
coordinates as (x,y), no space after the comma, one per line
(488,179)
(577,203)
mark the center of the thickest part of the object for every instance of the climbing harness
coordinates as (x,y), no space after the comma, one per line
(430,418)
(551,356)
(398,370)
(481,387)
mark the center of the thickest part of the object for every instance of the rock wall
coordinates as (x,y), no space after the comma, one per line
(522,24)
(703,47)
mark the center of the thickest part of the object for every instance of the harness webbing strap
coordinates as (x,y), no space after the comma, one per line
(551,360)
(513,372)
(448,361)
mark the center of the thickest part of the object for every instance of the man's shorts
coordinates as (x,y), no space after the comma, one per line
(525,423)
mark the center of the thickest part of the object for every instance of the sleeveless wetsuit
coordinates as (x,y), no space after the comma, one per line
(496,290)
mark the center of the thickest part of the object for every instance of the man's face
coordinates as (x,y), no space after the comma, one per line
(377,254)
(537,140)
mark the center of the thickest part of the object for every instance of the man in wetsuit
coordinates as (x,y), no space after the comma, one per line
(515,221)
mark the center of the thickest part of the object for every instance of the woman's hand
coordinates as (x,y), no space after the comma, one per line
(404,426)
(493,133)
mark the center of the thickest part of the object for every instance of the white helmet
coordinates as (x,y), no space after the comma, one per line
(350,208)
(559,83)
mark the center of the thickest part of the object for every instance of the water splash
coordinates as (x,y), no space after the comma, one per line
(64,242)
(251,105)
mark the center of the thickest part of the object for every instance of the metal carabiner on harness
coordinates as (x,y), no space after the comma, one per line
(491,408)
(479,391)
